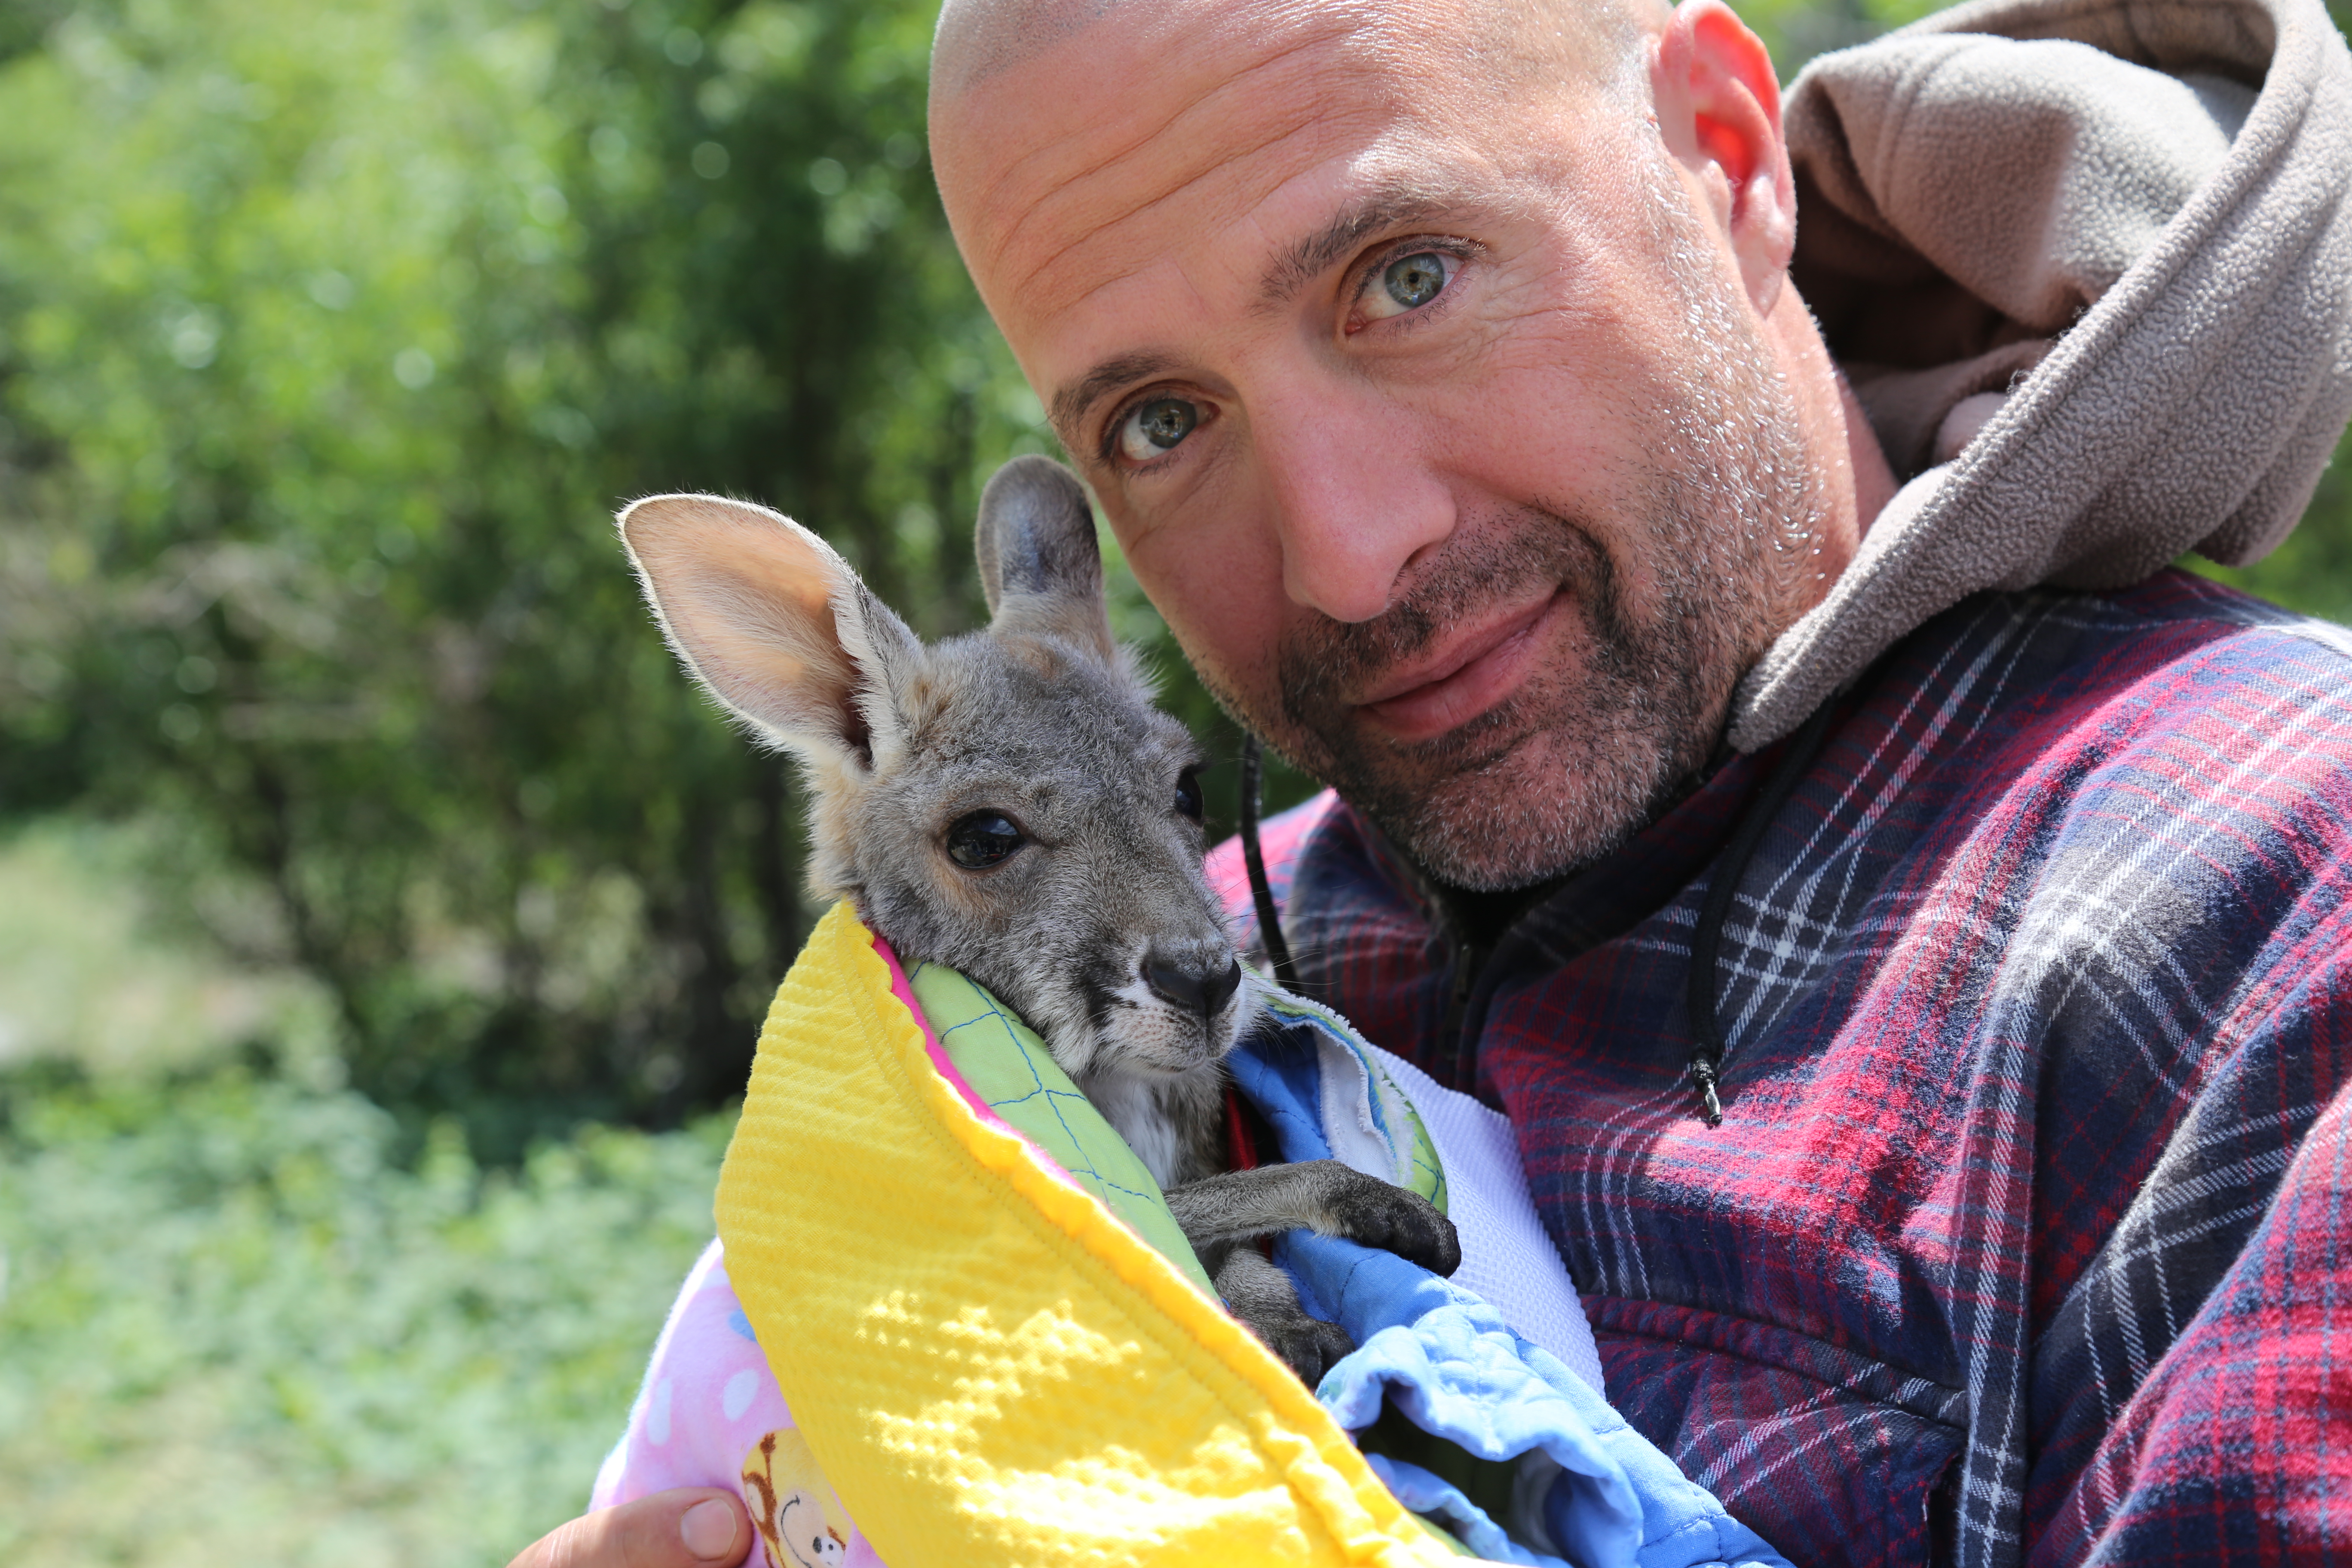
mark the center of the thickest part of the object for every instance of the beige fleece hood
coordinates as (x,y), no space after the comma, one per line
(2088,265)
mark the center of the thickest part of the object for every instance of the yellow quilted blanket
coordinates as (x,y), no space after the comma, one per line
(987,1365)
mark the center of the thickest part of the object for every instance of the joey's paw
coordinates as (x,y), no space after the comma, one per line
(1265,1301)
(1309,1346)
(1395,1220)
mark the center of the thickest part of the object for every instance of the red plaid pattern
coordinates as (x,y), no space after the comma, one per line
(2027,1236)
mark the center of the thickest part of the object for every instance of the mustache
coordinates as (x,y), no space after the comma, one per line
(1317,663)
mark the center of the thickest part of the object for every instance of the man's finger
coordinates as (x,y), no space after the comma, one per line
(691,1528)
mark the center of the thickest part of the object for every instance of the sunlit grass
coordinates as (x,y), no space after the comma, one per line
(245,1320)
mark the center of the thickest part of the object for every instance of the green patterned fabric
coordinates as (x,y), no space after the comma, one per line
(1398,1124)
(1010,1069)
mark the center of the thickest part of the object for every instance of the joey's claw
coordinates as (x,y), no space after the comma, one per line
(1262,1297)
(1394,1220)
(1310,1346)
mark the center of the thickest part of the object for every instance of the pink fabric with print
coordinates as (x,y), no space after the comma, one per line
(710,1403)
(707,1404)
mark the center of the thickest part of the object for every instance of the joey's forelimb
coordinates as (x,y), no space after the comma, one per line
(1221,1215)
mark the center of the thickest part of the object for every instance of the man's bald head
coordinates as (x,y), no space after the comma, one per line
(1033,99)
(978,40)
(1430,363)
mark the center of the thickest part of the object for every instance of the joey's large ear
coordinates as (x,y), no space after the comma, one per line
(775,624)
(1039,563)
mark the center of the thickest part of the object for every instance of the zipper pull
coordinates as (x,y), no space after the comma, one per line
(1703,1079)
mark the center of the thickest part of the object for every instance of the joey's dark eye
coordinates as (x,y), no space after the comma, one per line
(983,838)
(1188,794)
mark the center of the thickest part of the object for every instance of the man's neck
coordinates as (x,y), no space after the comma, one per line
(1477,919)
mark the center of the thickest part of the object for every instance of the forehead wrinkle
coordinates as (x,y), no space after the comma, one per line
(1306,121)
(1302,110)
(1141,137)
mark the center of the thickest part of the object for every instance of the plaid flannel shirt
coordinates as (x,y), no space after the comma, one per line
(2024,1237)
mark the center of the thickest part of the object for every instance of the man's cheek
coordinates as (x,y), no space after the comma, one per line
(1220,594)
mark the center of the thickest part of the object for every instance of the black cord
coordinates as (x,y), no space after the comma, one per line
(1706,939)
(1269,921)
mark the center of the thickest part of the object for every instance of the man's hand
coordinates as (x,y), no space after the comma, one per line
(699,1527)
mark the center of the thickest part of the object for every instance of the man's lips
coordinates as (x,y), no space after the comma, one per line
(1463,680)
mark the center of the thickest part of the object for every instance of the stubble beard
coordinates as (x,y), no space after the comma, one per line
(1729,509)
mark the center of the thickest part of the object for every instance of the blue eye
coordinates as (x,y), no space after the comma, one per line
(1153,428)
(1409,283)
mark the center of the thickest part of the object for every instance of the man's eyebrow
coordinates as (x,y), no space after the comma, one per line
(1071,403)
(1396,206)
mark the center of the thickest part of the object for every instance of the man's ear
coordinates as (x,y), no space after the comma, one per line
(1720,110)
(1039,563)
(774,625)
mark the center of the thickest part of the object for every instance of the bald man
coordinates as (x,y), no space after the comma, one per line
(1772,759)
(1482,530)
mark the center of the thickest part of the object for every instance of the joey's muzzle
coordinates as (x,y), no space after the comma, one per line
(1193,985)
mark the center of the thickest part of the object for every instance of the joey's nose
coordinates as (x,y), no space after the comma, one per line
(1194,986)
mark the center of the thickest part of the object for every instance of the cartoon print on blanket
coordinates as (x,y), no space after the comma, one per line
(799,1522)
(1477,1402)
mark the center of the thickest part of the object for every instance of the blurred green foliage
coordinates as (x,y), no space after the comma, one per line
(323,364)
(330,336)
(238,1326)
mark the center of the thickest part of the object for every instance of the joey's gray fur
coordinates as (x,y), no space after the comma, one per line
(1095,925)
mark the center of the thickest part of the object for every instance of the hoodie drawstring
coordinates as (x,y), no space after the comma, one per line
(1270,920)
(1706,940)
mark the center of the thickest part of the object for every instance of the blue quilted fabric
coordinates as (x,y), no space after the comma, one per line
(1586,1488)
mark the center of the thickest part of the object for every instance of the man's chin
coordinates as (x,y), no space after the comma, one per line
(1495,847)
(1536,813)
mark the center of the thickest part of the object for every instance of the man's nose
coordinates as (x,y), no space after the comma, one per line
(1356,495)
